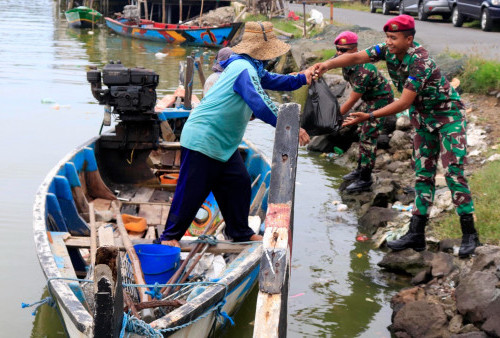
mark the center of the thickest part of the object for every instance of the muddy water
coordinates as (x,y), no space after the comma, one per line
(336,287)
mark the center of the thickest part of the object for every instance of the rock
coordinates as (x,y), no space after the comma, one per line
(403,123)
(385,193)
(442,264)
(389,124)
(400,140)
(475,334)
(406,296)
(487,258)
(455,324)
(492,323)
(307,58)
(336,83)
(383,142)
(421,319)
(393,166)
(219,16)
(401,155)
(475,293)
(422,277)
(375,218)
(446,245)
(406,261)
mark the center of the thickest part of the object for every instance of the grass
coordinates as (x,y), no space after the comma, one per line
(286,25)
(354,5)
(485,188)
(480,76)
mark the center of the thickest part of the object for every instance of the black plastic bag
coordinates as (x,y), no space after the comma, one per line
(322,112)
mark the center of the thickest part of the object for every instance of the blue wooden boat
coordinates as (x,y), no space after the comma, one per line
(61,234)
(113,170)
(216,36)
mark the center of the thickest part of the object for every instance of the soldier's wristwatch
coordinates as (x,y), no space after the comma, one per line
(372,117)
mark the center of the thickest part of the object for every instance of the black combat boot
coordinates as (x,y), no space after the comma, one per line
(470,238)
(353,175)
(414,238)
(363,183)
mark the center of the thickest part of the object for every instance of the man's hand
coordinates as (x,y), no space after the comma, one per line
(303,137)
(319,69)
(355,118)
(309,72)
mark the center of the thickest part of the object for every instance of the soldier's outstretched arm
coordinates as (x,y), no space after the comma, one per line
(344,60)
(397,106)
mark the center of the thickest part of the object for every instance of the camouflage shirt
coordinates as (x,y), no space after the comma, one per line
(437,103)
(365,79)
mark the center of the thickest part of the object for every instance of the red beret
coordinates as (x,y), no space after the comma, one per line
(399,23)
(346,38)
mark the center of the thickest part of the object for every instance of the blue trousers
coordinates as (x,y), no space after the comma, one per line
(230,183)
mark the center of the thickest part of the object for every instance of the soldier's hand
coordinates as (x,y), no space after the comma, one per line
(319,69)
(303,137)
(355,118)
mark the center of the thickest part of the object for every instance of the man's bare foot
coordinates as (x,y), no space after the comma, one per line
(172,242)
(256,237)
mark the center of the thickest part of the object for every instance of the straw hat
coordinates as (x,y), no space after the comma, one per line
(259,42)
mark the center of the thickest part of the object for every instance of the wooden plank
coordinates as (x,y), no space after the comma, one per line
(177,145)
(152,213)
(143,194)
(164,215)
(222,247)
(271,311)
(106,236)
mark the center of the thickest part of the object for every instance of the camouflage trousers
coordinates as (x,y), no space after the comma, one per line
(450,143)
(369,132)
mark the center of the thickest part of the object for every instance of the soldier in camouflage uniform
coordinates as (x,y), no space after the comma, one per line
(370,86)
(437,115)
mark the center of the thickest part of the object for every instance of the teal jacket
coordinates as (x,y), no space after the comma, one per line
(217,125)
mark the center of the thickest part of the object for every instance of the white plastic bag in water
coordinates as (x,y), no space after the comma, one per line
(315,17)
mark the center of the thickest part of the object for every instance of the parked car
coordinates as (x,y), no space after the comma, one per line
(385,5)
(425,8)
(486,11)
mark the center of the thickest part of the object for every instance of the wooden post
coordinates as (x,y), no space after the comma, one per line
(199,67)
(188,82)
(163,11)
(201,12)
(305,27)
(108,293)
(331,12)
(271,310)
(180,11)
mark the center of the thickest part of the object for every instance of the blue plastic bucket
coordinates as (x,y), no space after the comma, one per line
(158,262)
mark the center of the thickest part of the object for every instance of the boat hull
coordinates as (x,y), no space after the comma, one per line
(239,277)
(82,17)
(219,36)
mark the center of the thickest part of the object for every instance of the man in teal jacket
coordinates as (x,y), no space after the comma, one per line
(210,160)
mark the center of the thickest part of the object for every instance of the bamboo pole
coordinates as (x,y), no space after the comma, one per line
(136,265)
(166,290)
(93,234)
(305,27)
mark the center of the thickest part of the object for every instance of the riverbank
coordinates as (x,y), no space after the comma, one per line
(446,302)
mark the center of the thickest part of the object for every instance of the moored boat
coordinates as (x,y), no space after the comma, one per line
(122,172)
(215,36)
(82,17)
